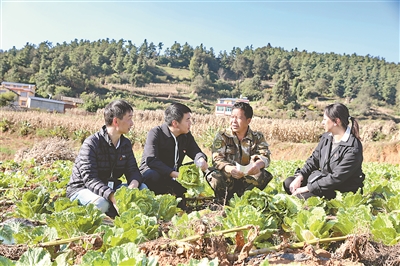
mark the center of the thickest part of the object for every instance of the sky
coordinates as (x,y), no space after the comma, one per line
(342,27)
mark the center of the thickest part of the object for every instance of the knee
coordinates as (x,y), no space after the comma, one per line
(143,186)
(102,204)
(216,179)
(151,176)
(265,176)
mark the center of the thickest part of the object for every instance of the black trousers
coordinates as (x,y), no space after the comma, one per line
(330,194)
(164,185)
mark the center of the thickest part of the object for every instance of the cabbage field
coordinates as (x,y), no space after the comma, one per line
(40,226)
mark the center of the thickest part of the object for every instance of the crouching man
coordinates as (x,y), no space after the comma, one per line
(238,144)
(103,158)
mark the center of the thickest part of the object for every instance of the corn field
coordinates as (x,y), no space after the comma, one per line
(77,125)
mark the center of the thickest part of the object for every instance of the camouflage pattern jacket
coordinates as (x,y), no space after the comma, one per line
(228,150)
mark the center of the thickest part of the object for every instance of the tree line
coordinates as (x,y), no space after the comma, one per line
(82,67)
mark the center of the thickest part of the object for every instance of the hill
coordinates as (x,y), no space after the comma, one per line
(281,83)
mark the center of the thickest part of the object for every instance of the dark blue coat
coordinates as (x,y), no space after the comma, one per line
(95,161)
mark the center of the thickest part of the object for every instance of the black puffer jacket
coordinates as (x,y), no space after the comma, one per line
(96,158)
(340,170)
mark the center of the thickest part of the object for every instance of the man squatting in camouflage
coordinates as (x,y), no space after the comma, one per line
(239,144)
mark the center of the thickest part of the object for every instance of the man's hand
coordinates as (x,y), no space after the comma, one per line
(234,172)
(202,163)
(296,183)
(133,184)
(113,201)
(256,168)
(174,174)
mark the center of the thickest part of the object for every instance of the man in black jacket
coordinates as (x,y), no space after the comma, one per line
(165,149)
(103,158)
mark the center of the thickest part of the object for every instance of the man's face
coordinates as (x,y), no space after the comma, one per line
(239,122)
(184,125)
(125,124)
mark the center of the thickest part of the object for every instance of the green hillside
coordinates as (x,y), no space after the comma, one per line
(280,83)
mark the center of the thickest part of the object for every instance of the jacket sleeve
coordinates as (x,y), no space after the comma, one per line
(218,153)
(262,151)
(88,166)
(132,171)
(152,151)
(194,152)
(312,162)
(342,172)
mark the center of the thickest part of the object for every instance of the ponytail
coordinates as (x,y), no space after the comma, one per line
(355,130)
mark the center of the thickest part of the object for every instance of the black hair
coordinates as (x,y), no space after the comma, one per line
(341,112)
(175,111)
(247,109)
(117,108)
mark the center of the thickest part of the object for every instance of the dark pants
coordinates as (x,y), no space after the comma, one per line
(164,185)
(330,194)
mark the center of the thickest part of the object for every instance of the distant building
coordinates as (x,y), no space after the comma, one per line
(24,91)
(71,102)
(224,105)
(46,104)
(4,90)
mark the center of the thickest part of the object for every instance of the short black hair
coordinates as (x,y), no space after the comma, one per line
(117,108)
(247,109)
(175,111)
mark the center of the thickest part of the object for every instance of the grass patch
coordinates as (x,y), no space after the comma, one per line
(6,151)
(177,73)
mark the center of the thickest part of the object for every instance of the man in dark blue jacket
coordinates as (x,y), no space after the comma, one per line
(103,158)
(165,149)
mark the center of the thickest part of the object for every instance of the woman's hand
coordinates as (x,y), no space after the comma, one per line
(300,190)
(296,183)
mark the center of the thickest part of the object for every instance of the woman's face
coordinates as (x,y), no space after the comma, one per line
(328,124)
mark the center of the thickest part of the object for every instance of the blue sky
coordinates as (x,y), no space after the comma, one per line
(342,27)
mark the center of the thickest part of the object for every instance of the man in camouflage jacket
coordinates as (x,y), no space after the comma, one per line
(239,145)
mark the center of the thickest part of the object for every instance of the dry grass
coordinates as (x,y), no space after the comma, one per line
(155,89)
(48,151)
(289,139)
(204,126)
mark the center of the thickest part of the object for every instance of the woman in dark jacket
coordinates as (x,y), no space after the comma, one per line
(336,163)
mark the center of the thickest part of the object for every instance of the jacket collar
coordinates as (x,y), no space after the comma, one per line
(105,135)
(230,134)
(165,130)
(346,140)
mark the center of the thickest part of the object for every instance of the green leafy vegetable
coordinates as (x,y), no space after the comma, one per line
(33,203)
